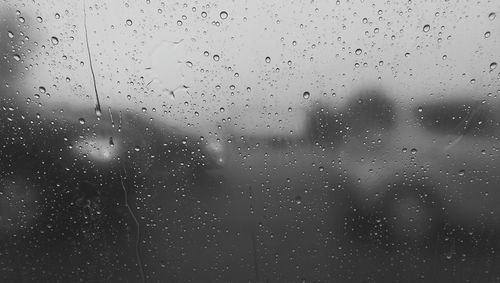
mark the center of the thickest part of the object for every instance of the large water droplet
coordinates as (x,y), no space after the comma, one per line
(54,40)
(223,15)
(98,111)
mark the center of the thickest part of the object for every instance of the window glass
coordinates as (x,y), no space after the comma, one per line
(249,141)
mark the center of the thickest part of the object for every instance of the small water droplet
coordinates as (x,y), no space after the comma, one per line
(17,57)
(111,142)
(81,120)
(298,199)
(11,34)
(306,95)
(216,57)
(128,22)
(413,151)
(203,14)
(487,34)
(358,51)
(420,109)
(492,16)
(461,172)
(42,89)
(54,40)
(223,15)
(493,65)
(57,16)
(137,148)
(268,59)
(189,64)
(426,28)
(39,19)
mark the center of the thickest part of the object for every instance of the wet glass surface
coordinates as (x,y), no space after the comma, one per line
(321,141)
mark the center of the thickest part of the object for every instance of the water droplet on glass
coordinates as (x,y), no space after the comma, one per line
(81,120)
(223,15)
(306,95)
(298,200)
(189,64)
(11,35)
(420,109)
(493,65)
(129,22)
(137,148)
(98,111)
(487,34)
(39,19)
(216,57)
(413,151)
(54,40)
(17,57)
(358,51)
(268,59)
(203,14)
(492,16)
(461,172)
(426,28)
(42,89)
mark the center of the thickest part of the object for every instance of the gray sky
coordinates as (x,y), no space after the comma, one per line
(311,45)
